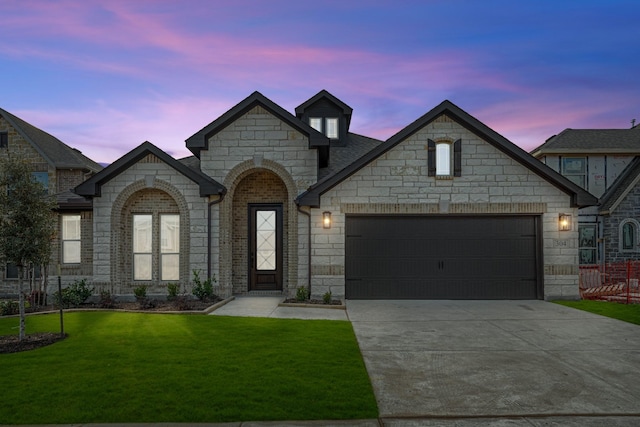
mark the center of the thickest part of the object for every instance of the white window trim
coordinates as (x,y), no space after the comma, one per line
(337,127)
(439,174)
(64,240)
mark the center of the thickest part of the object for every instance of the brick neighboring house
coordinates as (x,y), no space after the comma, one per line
(605,163)
(271,201)
(59,168)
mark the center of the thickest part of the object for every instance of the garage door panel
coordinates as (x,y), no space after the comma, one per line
(441,257)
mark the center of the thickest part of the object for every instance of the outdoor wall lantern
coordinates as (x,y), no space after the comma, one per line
(326,219)
(564,222)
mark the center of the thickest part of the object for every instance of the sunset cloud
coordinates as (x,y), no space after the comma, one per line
(105,76)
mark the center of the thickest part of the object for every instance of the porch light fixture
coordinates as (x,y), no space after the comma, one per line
(326,219)
(564,222)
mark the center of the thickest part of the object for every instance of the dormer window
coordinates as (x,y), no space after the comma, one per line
(328,126)
(316,123)
(332,128)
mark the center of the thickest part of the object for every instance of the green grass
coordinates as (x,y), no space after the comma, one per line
(627,312)
(131,367)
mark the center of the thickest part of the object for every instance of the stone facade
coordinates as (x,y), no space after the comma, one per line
(148,186)
(262,156)
(491,183)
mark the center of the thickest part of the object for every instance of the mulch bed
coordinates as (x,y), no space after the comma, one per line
(12,344)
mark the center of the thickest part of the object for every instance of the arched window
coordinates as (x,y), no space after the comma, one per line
(629,235)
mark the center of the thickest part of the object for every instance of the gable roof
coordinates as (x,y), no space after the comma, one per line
(324,94)
(579,197)
(92,186)
(606,141)
(200,140)
(55,152)
(624,183)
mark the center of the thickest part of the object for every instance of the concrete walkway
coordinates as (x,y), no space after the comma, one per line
(267,306)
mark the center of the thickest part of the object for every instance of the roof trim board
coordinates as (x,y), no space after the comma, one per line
(621,187)
(92,186)
(200,140)
(579,196)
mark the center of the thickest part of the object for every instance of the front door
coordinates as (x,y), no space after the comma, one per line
(265,247)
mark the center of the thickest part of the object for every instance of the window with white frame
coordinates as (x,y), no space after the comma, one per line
(169,247)
(156,247)
(316,123)
(443,159)
(332,128)
(71,236)
(142,247)
(629,235)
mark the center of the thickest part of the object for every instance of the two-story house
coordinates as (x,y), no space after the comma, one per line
(59,168)
(603,162)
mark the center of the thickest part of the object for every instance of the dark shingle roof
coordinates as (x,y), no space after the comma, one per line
(592,141)
(579,196)
(92,187)
(342,156)
(55,152)
(620,187)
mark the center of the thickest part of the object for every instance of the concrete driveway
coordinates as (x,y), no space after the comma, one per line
(483,361)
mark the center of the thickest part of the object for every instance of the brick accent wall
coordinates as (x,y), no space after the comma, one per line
(259,187)
(491,183)
(628,209)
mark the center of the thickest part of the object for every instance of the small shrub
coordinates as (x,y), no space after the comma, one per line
(326,298)
(8,308)
(202,290)
(140,291)
(106,300)
(302,294)
(74,295)
(173,289)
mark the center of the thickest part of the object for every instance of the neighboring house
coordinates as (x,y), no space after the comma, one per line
(604,162)
(271,201)
(59,168)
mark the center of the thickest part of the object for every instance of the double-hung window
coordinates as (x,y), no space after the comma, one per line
(169,247)
(156,239)
(327,126)
(575,168)
(71,236)
(142,247)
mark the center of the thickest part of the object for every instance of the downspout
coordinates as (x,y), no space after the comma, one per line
(215,202)
(308,214)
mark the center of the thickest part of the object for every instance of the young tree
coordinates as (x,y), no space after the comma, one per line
(27,222)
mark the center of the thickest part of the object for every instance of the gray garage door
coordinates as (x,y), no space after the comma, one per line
(437,257)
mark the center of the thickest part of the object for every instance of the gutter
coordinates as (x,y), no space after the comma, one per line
(308,215)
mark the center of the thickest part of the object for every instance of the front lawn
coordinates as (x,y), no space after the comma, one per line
(131,367)
(627,312)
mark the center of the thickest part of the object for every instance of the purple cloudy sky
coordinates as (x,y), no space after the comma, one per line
(104,76)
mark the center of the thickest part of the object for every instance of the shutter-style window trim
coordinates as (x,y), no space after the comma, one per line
(457,158)
(431,158)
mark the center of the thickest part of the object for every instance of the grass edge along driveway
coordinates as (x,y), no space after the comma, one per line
(134,367)
(625,312)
